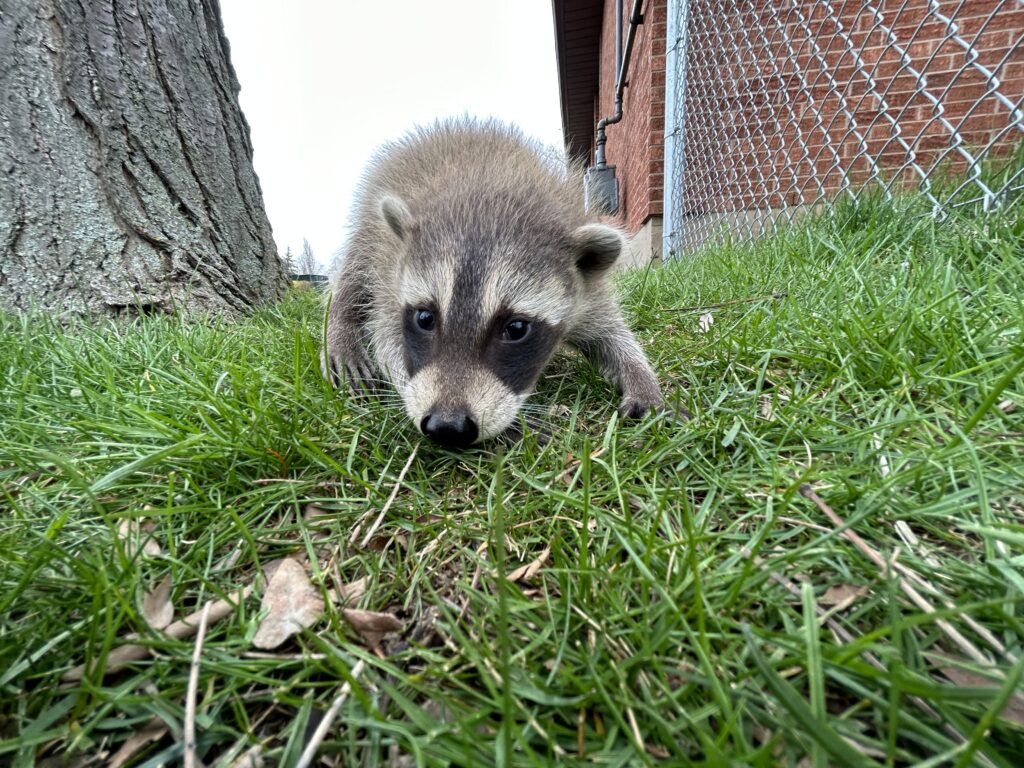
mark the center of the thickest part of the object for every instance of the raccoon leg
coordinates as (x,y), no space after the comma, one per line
(344,354)
(614,350)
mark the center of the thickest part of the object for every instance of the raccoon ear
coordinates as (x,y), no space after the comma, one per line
(398,216)
(596,247)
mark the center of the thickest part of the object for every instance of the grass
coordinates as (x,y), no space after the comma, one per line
(686,611)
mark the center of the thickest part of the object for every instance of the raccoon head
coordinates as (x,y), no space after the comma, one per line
(485,295)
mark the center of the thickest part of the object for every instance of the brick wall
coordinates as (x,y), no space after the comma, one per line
(635,144)
(785,101)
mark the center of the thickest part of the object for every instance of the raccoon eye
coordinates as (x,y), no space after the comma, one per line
(515,331)
(425,319)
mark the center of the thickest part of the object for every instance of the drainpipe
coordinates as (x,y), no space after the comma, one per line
(601,177)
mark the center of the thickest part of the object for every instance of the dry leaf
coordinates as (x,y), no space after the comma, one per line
(571,461)
(429,519)
(292,603)
(529,570)
(157,609)
(1013,710)
(705,322)
(382,541)
(270,567)
(351,592)
(124,655)
(313,513)
(371,625)
(136,535)
(765,409)
(572,464)
(658,751)
(842,596)
(251,758)
(152,731)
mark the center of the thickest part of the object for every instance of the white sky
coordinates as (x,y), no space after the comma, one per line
(324,83)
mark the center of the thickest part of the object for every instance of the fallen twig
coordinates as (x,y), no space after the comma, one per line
(189,727)
(124,655)
(151,732)
(844,635)
(306,758)
(916,597)
(910,539)
(387,504)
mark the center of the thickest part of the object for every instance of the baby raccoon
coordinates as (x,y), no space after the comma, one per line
(471,260)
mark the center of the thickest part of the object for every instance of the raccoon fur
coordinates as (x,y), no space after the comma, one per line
(471,259)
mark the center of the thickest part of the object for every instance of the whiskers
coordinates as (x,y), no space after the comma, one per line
(374,386)
(384,408)
(372,394)
(402,424)
(534,417)
(385,400)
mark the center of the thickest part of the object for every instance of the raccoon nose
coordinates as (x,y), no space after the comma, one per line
(455,430)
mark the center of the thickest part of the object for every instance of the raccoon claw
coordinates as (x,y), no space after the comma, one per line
(328,369)
(359,375)
(362,377)
(638,407)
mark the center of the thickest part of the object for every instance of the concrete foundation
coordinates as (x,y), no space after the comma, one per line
(645,246)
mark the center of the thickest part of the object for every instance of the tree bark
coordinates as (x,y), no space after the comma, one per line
(126,178)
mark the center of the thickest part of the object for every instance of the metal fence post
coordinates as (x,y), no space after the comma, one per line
(676,51)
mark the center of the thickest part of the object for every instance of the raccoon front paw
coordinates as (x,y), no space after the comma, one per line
(638,406)
(354,368)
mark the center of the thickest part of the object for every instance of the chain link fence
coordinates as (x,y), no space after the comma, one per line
(772,108)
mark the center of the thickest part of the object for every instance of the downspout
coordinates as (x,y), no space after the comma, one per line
(621,69)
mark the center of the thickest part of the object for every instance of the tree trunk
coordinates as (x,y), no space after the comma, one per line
(126,179)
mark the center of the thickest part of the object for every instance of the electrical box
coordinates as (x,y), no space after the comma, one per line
(602,189)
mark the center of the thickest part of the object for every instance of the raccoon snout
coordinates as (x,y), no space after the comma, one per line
(452,430)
